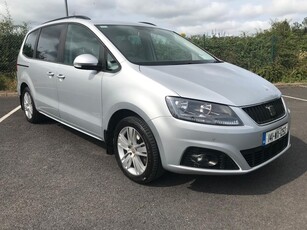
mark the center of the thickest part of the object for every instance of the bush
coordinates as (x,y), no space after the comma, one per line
(2,83)
(297,75)
(11,37)
(8,82)
(272,73)
(277,54)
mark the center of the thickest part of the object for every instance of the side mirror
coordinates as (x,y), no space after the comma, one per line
(87,61)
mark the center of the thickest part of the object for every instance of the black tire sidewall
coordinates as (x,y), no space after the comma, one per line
(35,112)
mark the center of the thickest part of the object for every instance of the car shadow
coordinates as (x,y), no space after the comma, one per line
(84,136)
(48,121)
(290,166)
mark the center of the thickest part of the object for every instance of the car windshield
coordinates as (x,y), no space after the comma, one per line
(153,46)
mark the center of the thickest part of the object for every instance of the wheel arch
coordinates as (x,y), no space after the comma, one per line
(113,121)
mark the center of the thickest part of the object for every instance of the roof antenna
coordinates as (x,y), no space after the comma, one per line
(66,7)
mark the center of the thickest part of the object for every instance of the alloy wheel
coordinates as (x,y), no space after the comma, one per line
(28,105)
(132,151)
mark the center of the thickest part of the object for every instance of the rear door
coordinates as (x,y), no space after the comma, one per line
(44,68)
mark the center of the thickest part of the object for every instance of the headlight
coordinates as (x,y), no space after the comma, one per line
(202,112)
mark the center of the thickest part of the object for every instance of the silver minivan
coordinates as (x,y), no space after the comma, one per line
(157,101)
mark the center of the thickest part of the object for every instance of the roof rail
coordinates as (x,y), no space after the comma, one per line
(74,16)
(148,23)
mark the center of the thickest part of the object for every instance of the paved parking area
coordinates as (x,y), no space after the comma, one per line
(7,104)
(52,177)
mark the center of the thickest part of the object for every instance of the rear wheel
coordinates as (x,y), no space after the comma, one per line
(136,150)
(29,108)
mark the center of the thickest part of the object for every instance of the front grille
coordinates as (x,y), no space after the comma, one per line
(258,155)
(266,112)
(224,161)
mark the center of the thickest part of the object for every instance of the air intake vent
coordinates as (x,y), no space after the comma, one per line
(259,155)
(266,112)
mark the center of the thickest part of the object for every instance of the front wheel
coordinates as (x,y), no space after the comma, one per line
(136,150)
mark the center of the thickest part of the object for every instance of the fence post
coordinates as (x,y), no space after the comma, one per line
(273,48)
(204,41)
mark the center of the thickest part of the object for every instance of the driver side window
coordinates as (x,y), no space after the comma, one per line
(80,40)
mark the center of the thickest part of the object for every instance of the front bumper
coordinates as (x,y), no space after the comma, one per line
(174,136)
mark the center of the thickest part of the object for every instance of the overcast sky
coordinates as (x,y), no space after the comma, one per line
(189,16)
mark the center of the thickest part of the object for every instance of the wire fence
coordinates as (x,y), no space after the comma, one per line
(11,38)
(276,58)
(9,46)
(247,52)
(244,52)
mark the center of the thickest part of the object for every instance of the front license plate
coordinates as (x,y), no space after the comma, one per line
(271,136)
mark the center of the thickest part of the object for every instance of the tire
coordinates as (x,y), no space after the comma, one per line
(136,150)
(32,115)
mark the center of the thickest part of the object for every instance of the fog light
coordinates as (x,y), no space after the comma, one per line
(205,159)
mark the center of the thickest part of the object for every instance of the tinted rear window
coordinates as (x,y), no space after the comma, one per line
(29,46)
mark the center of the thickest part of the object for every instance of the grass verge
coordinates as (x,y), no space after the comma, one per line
(8,82)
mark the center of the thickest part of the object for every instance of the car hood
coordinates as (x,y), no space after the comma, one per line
(215,82)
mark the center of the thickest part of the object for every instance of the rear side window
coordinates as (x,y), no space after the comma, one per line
(28,48)
(48,43)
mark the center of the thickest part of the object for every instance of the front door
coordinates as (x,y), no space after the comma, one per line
(80,102)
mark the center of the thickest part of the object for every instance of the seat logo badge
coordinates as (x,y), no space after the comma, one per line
(271,110)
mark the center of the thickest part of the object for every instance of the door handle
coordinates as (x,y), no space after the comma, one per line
(61,77)
(50,74)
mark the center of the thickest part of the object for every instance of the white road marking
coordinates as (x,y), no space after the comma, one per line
(10,113)
(295,98)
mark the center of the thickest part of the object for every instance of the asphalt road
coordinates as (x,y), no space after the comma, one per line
(52,177)
(7,104)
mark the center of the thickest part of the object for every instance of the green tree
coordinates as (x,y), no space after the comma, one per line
(11,37)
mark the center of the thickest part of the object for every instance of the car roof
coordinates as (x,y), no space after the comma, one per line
(85,19)
(88,22)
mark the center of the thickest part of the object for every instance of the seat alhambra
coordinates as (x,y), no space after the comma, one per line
(158,101)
